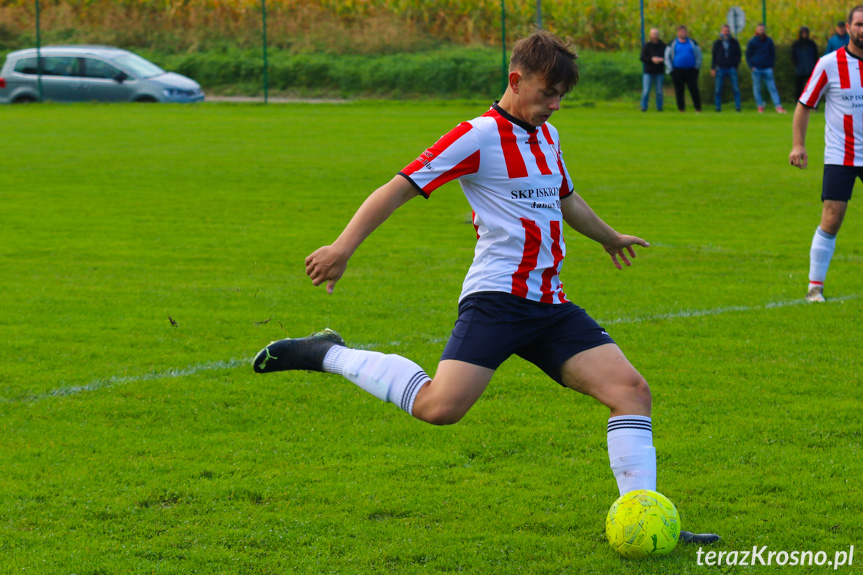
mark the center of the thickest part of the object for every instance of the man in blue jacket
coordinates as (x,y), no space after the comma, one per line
(761,57)
(682,61)
(837,40)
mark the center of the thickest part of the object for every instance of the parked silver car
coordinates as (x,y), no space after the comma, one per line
(86,73)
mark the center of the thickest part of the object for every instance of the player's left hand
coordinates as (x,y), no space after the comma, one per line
(798,157)
(621,246)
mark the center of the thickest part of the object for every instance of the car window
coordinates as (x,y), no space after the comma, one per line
(26,66)
(60,66)
(137,66)
(98,69)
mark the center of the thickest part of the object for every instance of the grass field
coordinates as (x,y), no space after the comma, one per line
(149,251)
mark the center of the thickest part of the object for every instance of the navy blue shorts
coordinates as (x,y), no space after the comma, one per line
(492,326)
(838,182)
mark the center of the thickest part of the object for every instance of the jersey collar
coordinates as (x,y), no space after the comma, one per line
(509,117)
(847,51)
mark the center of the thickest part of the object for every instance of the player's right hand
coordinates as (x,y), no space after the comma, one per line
(326,264)
(798,157)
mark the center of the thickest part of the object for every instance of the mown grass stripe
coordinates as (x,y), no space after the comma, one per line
(232,363)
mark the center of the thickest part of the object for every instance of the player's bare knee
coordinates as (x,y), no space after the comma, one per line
(441,415)
(641,390)
(629,393)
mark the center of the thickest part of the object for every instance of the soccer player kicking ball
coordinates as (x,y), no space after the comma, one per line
(509,164)
(838,77)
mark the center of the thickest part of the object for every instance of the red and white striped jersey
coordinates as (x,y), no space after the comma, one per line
(838,77)
(514,178)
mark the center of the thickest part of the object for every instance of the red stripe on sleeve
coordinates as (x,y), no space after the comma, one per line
(469,165)
(473,221)
(842,62)
(438,147)
(532,240)
(816,93)
(549,273)
(515,166)
(564,185)
(849,140)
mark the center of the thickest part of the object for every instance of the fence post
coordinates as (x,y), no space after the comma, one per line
(503,44)
(38,53)
(642,22)
(264,41)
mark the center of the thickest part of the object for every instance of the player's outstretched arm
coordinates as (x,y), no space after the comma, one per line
(584,220)
(328,263)
(798,156)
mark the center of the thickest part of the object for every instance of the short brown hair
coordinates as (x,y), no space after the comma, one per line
(546,55)
(853,10)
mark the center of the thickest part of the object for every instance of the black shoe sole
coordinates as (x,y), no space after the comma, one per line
(698,538)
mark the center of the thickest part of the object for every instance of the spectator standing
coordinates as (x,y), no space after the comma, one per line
(804,55)
(837,40)
(653,56)
(725,60)
(761,57)
(682,61)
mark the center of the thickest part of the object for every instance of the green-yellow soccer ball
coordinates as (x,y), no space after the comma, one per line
(642,523)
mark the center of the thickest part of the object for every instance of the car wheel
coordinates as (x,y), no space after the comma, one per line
(24,100)
(146,100)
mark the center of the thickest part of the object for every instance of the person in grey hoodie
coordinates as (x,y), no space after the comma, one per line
(761,57)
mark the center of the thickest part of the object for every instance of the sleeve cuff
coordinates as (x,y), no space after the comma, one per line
(414,184)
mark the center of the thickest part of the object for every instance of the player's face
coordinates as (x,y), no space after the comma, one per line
(538,101)
(855,31)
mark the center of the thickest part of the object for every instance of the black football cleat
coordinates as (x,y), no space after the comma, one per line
(698,538)
(302,353)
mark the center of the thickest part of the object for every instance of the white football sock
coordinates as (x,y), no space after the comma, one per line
(631,452)
(391,378)
(820,255)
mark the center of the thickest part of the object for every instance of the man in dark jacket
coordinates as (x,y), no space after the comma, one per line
(804,55)
(653,56)
(726,59)
(761,57)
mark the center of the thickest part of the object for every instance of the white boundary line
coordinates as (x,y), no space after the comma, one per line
(122,380)
(233,363)
(720,310)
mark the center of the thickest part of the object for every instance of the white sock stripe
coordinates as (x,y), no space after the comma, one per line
(630,422)
(412,389)
(617,421)
(630,427)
